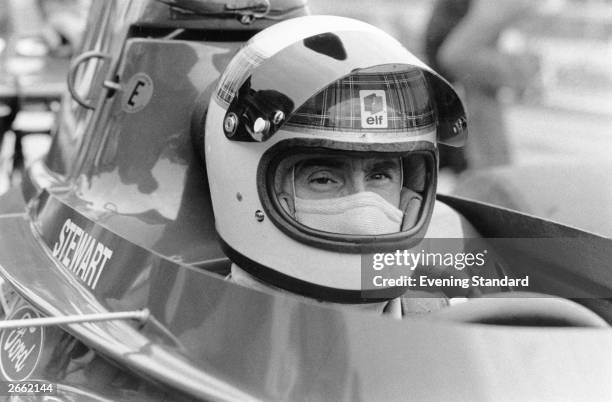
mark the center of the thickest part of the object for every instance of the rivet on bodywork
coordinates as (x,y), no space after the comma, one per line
(259,215)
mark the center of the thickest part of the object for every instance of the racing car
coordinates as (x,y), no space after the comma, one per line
(114,276)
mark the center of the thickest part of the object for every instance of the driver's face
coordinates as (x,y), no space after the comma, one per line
(333,177)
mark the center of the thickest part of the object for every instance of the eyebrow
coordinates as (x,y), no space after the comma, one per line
(335,163)
(385,165)
(325,162)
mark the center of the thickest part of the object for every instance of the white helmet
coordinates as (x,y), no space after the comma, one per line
(312,87)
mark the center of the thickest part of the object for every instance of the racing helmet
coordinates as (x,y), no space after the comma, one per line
(324,89)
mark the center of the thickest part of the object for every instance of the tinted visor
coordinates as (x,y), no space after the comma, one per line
(272,89)
(372,101)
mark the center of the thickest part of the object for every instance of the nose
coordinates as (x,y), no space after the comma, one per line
(356,182)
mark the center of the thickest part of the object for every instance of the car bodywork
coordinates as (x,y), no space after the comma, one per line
(117,218)
(572,193)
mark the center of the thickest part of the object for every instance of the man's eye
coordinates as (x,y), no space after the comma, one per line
(322,180)
(380,176)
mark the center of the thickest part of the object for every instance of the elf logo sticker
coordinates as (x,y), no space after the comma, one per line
(20,348)
(138,93)
(373,108)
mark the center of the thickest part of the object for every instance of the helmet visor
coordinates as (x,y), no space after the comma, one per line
(270,90)
(370,101)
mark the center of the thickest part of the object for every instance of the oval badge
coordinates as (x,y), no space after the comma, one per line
(21,347)
(138,93)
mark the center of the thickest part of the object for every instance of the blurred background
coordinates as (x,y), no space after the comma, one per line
(569,115)
(37,40)
(536,77)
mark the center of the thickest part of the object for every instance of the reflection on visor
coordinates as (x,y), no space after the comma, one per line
(370,101)
(290,76)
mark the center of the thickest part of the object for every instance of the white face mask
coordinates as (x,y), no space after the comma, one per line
(363,213)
